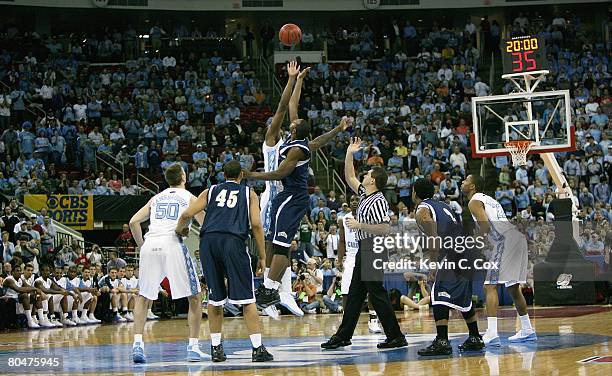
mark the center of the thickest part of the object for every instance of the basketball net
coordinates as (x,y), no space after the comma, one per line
(518,150)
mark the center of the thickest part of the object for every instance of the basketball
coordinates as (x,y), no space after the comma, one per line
(290,34)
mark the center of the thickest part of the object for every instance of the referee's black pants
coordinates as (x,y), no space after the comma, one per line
(372,285)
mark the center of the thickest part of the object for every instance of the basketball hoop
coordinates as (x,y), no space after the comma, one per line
(518,149)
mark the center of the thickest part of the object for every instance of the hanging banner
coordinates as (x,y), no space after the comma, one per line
(75,211)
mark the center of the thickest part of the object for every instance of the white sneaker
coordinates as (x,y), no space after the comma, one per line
(56,323)
(194,354)
(33,325)
(491,339)
(272,312)
(524,336)
(45,323)
(152,316)
(34,320)
(311,311)
(93,319)
(129,317)
(77,320)
(119,318)
(288,301)
(373,326)
(68,322)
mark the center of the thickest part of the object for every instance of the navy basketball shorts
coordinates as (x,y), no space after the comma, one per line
(226,255)
(453,286)
(288,209)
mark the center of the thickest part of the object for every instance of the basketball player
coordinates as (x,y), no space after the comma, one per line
(28,277)
(163,254)
(129,291)
(22,293)
(347,250)
(73,299)
(290,205)
(57,301)
(229,207)
(86,296)
(271,147)
(510,250)
(452,288)
(90,296)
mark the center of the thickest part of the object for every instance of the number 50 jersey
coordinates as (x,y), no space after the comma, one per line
(227,211)
(166,208)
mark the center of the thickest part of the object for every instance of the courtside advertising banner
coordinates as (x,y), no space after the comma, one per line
(75,211)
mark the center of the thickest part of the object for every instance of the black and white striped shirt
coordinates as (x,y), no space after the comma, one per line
(373,209)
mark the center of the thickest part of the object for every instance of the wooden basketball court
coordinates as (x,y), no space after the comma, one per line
(566,336)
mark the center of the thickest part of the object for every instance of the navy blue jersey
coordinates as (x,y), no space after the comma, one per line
(298,179)
(447,223)
(227,210)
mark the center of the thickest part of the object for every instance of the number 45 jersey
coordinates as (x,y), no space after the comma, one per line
(227,211)
(166,208)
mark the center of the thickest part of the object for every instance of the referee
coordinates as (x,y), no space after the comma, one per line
(372,219)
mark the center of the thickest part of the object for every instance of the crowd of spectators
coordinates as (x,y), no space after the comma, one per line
(144,113)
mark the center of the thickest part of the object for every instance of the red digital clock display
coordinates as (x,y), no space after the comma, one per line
(523,54)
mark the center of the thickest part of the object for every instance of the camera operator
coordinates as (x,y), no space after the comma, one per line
(306,292)
(315,273)
(333,298)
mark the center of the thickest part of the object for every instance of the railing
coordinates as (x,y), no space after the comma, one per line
(337,184)
(271,79)
(112,166)
(140,176)
(322,160)
(121,170)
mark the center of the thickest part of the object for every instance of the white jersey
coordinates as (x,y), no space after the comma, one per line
(9,291)
(45,282)
(63,282)
(130,283)
(87,283)
(270,155)
(76,282)
(29,281)
(497,217)
(166,208)
(350,237)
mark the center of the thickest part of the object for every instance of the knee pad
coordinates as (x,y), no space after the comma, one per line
(440,312)
(281,251)
(468,314)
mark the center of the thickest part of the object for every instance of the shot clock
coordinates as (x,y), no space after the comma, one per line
(523,54)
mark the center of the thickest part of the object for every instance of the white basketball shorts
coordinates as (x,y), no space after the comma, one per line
(167,256)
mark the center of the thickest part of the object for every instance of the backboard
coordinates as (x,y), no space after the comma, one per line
(542,117)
